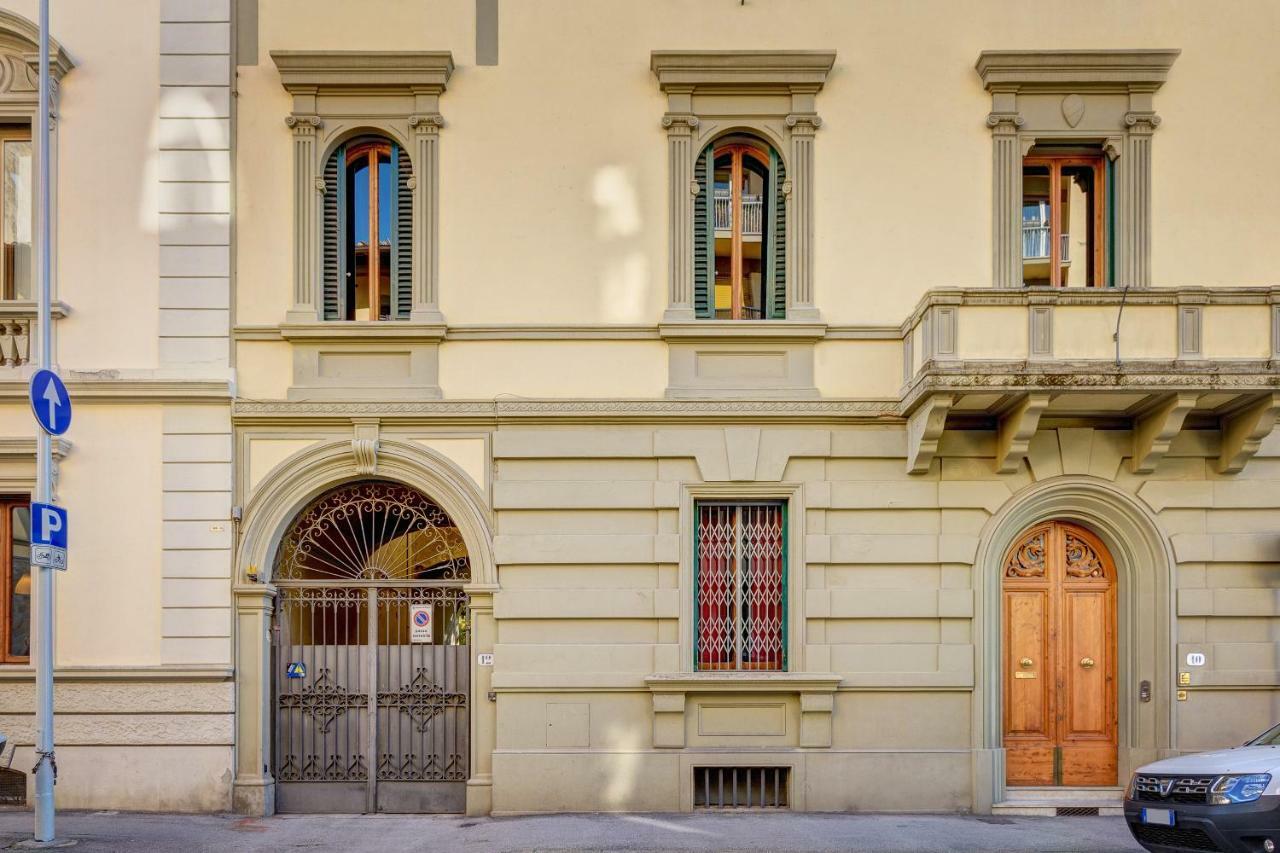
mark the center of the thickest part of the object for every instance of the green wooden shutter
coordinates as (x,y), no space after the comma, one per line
(704,237)
(1110,247)
(776,241)
(334,237)
(401,235)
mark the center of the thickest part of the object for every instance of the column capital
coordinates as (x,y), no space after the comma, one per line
(426,122)
(303,125)
(682,123)
(1005,122)
(803,124)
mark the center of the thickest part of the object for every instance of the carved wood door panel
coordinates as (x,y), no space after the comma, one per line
(1060,715)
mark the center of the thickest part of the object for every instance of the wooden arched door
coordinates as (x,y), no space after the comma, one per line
(1060,715)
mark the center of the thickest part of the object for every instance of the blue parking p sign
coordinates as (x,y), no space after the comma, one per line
(48,536)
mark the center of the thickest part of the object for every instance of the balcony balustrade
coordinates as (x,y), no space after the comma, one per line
(752,214)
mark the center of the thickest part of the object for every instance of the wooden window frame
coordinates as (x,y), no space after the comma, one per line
(1055,163)
(7,504)
(16,133)
(370,150)
(737,151)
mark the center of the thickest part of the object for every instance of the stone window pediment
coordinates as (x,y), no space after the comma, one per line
(336,96)
(1101,98)
(769,99)
(339,99)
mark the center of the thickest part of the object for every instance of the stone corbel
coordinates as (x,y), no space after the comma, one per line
(668,720)
(364,445)
(1243,432)
(815,719)
(924,431)
(1017,428)
(1155,431)
(1112,146)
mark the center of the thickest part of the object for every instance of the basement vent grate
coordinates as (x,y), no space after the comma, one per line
(1078,811)
(741,787)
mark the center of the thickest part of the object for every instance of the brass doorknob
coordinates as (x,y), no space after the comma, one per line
(1087,663)
(1026,663)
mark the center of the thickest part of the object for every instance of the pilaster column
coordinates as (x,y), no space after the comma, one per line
(484,711)
(681,191)
(253,791)
(425,132)
(800,304)
(1133,267)
(1006,201)
(306,222)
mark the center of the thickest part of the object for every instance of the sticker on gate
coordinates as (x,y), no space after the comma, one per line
(420,623)
(297,669)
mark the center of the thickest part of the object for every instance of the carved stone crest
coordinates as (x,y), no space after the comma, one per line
(1073,109)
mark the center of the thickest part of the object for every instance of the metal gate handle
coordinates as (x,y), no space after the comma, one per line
(1087,663)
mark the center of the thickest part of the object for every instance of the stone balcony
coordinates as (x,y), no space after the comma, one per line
(1152,360)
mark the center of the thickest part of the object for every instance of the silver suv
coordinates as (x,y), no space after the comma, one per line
(1227,800)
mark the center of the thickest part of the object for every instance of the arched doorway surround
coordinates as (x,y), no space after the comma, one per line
(1145,635)
(281,495)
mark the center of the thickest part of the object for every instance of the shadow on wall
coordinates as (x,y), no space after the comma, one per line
(625,276)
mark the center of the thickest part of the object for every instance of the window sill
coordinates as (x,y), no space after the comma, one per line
(363,330)
(743,681)
(743,330)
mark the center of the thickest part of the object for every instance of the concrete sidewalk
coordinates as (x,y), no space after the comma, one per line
(100,831)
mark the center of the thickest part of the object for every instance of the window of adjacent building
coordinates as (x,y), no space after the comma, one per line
(16,269)
(1066,219)
(368,218)
(740,582)
(15,572)
(740,232)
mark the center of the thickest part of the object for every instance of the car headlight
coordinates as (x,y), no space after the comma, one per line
(1238,789)
(1132,792)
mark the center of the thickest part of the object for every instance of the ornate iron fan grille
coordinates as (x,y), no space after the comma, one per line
(372,531)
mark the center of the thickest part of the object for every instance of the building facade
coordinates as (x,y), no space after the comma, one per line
(585,405)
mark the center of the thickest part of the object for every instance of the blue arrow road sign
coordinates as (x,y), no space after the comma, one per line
(50,402)
(48,535)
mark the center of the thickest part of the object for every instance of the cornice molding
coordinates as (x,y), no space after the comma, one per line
(492,412)
(1119,70)
(121,673)
(373,71)
(1065,375)
(25,448)
(741,70)
(574,331)
(129,390)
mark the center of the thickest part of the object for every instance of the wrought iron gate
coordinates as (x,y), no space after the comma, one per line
(372,675)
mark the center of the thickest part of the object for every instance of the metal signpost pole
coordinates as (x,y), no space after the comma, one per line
(45,767)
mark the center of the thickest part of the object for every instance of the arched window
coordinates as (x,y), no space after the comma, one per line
(740,227)
(368,220)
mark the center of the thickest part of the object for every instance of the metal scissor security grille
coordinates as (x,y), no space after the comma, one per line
(741,787)
(372,674)
(741,586)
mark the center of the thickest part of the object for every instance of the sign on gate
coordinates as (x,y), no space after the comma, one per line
(49,536)
(420,623)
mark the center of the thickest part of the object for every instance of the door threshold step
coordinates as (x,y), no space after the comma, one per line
(1052,801)
(1007,809)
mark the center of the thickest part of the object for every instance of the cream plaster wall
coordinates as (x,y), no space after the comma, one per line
(578,207)
(108,145)
(110,484)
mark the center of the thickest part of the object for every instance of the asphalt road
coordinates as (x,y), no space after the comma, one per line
(100,831)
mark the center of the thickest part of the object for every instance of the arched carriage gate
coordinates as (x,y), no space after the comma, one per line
(371,655)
